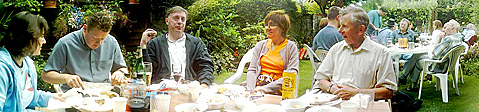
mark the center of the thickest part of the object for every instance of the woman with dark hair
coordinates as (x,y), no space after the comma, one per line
(273,55)
(18,75)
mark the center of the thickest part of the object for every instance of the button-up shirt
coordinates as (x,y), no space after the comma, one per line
(72,55)
(177,52)
(369,66)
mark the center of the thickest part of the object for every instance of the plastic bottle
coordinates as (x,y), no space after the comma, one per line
(140,86)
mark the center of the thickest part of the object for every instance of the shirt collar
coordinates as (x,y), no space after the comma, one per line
(83,41)
(183,38)
(366,45)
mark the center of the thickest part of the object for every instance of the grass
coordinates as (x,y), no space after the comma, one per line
(468,101)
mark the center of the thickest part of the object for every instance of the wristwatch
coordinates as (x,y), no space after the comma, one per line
(329,88)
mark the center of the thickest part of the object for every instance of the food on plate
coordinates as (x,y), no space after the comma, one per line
(222,89)
(215,99)
(296,106)
(100,101)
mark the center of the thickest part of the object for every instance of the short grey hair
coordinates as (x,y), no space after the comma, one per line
(176,9)
(455,24)
(359,16)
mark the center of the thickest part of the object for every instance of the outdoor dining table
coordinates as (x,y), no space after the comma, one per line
(396,51)
(177,99)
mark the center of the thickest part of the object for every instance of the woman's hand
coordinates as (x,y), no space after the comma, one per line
(260,88)
(58,96)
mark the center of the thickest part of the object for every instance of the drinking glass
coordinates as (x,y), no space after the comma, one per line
(176,70)
(366,100)
(147,67)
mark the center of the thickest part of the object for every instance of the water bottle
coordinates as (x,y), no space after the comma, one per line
(140,86)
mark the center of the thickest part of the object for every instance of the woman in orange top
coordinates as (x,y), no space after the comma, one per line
(272,56)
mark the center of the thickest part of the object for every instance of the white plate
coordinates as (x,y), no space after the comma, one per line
(190,106)
(220,111)
(93,106)
(321,97)
(323,109)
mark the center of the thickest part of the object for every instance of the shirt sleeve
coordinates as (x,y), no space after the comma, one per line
(4,82)
(385,73)
(40,98)
(205,65)
(118,61)
(57,59)
(251,74)
(325,70)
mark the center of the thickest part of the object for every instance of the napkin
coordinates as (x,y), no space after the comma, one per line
(361,99)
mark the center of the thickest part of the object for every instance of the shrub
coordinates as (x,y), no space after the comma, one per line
(230,28)
(470,62)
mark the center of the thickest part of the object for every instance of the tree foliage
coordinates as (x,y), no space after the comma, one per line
(230,28)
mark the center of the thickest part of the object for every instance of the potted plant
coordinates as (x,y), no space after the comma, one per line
(50,3)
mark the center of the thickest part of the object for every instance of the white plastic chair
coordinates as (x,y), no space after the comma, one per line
(245,59)
(451,57)
(321,54)
(458,65)
(315,65)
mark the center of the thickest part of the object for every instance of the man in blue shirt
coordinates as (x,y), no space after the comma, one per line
(385,33)
(375,18)
(329,35)
(90,54)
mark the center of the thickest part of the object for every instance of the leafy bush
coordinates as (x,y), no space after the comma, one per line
(230,28)
(40,62)
(470,62)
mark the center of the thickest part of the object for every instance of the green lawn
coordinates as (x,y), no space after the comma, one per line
(468,101)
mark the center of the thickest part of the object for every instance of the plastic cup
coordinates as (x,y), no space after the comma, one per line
(349,106)
(119,104)
(159,102)
(194,90)
(366,100)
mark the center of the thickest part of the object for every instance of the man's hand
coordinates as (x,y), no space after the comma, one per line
(147,35)
(203,86)
(345,92)
(117,77)
(58,96)
(74,81)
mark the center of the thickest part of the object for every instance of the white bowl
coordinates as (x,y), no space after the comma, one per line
(215,101)
(294,105)
(191,107)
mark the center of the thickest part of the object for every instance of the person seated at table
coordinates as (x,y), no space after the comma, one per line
(403,32)
(385,33)
(177,47)
(90,54)
(468,32)
(328,36)
(413,69)
(357,63)
(437,26)
(18,76)
(273,55)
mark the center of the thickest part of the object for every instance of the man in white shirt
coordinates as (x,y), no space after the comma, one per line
(177,50)
(357,63)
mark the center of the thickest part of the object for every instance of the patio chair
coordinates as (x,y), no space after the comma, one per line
(458,65)
(315,65)
(239,72)
(321,54)
(450,59)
